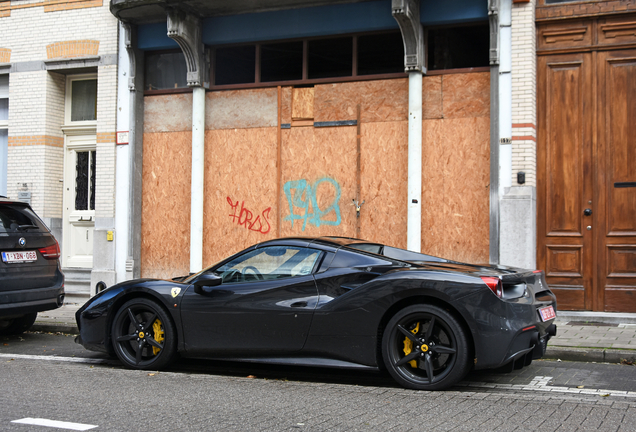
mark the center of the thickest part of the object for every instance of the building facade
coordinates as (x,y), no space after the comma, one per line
(292,118)
(586,158)
(482,131)
(58,84)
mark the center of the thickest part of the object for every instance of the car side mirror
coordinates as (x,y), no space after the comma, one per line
(206,280)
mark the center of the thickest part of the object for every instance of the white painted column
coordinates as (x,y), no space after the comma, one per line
(198,157)
(505,95)
(414,221)
(123,164)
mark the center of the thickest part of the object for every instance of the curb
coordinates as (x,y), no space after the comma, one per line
(600,355)
(55,328)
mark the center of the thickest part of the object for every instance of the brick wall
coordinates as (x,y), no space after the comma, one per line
(35,31)
(70,49)
(5,55)
(47,5)
(524,92)
(584,8)
(29,30)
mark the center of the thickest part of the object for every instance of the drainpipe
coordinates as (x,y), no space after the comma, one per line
(407,15)
(493,18)
(186,30)
(122,166)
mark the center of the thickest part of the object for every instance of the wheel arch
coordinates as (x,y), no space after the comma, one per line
(415,300)
(130,295)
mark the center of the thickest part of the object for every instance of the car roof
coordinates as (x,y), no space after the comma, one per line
(332,241)
(5,200)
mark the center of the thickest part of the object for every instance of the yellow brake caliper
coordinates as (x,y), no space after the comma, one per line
(157,328)
(408,345)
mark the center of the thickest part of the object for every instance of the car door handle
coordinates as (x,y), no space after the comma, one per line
(299,304)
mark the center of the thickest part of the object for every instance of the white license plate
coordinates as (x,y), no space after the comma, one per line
(18,257)
(547,313)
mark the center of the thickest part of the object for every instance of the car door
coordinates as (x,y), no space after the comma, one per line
(263,306)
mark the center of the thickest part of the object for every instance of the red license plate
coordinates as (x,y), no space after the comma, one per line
(547,313)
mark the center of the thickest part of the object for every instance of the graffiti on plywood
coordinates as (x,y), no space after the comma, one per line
(303,195)
(244,217)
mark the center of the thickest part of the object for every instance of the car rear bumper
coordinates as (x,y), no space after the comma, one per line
(527,346)
(21,302)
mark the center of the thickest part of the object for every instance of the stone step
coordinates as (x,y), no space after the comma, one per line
(77,282)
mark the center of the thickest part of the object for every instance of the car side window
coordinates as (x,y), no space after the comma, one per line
(269,263)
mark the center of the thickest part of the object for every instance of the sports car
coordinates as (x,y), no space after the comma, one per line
(330,302)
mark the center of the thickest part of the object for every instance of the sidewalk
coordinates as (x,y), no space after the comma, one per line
(581,336)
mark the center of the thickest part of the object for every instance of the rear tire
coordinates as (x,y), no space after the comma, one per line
(17,325)
(424,347)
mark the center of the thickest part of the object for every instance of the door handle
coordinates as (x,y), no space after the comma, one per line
(587,212)
(299,304)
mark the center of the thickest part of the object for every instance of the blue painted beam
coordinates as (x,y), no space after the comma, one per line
(316,21)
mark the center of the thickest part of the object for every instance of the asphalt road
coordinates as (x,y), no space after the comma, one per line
(48,377)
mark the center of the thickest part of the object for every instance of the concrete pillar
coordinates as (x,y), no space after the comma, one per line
(186,29)
(130,262)
(414,220)
(407,14)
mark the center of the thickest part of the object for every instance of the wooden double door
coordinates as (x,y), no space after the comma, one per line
(586,183)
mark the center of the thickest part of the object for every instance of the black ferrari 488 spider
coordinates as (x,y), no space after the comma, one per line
(330,302)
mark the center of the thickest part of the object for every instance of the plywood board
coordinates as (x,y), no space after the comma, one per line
(303,103)
(165,211)
(240,190)
(240,109)
(384,162)
(168,113)
(318,170)
(432,97)
(455,188)
(380,100)
(286,105)
(466,95)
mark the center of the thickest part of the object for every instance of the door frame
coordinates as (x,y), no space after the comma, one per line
(89,143)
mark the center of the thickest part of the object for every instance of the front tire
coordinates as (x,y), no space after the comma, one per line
(143,335)
(424,347)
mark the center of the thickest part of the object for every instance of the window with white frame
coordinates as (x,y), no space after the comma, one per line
(81,100)
(4,131)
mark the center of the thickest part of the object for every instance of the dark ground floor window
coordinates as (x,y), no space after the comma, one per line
(315,60)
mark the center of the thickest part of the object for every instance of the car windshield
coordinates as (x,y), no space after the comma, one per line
(16,218)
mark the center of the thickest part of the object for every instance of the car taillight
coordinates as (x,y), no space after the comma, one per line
(50,252)
(494,284)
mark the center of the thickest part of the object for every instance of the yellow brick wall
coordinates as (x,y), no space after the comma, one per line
(106,137)
(5,55)
(76,48)
(35,140)
(49,5)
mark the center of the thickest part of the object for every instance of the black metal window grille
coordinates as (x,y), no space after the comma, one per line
(85,180)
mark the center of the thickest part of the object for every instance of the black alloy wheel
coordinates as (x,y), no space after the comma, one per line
(143,335)
(425,348)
